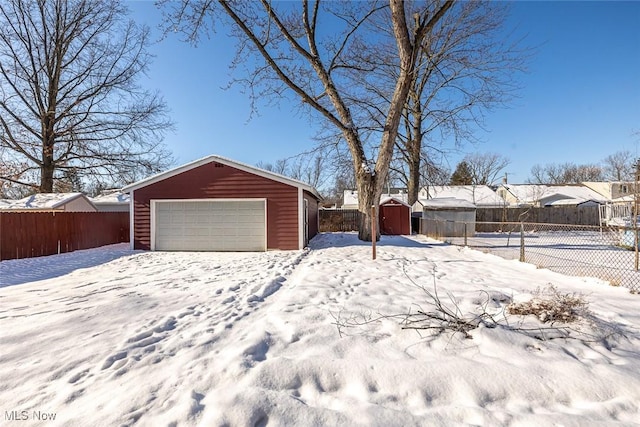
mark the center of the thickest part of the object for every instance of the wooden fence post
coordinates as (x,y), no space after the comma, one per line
(373,231)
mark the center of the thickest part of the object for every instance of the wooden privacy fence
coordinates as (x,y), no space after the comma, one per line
(339,220)
(32,234)
(575,215)
(348,219)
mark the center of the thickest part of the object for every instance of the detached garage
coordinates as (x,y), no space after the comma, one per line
(217,204)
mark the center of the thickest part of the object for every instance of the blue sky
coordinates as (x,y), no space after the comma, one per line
(579,102)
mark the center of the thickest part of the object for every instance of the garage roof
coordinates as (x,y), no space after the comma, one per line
(228,162)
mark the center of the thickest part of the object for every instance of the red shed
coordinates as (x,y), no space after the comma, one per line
(218,204)
(394,217)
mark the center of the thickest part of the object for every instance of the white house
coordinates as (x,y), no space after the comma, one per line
(540,195)
(480,196)
(67,202)
(612,190)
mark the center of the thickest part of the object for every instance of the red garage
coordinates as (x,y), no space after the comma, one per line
(394,217)
(218,204)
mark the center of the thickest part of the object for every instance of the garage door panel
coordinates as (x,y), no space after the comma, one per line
(212,225)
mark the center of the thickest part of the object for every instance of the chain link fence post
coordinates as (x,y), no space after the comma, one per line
(521,242)
(465,234)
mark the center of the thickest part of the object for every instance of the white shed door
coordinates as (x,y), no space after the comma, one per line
(210,225)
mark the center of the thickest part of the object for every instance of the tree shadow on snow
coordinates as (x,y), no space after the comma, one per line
(345,239)
(20,271)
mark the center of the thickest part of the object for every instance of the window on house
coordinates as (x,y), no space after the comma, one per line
(623,189)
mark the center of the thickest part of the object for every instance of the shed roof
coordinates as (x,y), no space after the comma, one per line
(395,199)
(228,162)
(443,203)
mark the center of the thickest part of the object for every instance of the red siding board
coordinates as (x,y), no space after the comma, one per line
(222,182)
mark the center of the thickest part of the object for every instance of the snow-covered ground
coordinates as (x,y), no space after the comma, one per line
(113,337)
(580,253)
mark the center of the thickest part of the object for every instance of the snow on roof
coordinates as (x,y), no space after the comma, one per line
(350,198)
(223,160)
(532,193)
(446,203)
(396,198)
(478,195)
(569,202)
(44,201)
(111,197)
(624,199)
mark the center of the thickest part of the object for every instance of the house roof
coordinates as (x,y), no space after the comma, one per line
(228,162)
(570,202)
(45,201)
(478,195)
(112,197)
(624,199)
(532,193)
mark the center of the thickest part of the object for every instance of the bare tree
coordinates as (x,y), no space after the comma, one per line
(618,166)
(69,98)
(565,173)
(299,54)
(280,166)
(466,68)
(485,167)
(305,167)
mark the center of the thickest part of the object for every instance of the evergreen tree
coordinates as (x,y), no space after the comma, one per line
(462,175)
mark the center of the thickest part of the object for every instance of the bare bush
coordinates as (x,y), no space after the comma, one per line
(550,306)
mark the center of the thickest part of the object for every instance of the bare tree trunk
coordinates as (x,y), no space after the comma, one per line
(369,192)
(413,185)
(48,165)
(414,149)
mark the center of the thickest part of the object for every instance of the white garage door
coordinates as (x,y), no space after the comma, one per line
(210,225)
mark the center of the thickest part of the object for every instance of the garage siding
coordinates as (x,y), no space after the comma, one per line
(216,181)
(312,214)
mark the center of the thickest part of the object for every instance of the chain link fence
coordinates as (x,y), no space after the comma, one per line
(609,253)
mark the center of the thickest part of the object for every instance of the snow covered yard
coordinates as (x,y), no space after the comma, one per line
(113,337)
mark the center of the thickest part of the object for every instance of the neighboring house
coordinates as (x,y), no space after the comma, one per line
(218,204)
(618,211)
(611,190)
(67,202)
(480,196)
(539,195)
(111,201)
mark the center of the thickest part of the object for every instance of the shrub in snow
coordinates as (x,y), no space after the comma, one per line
(550,306)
